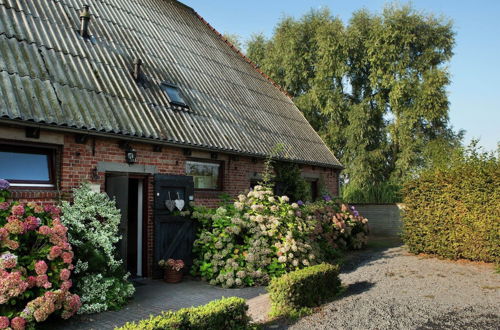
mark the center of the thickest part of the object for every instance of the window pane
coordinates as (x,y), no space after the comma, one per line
(205,175)
(25,167)
(174,94)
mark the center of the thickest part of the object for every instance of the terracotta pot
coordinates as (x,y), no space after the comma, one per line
(172,276)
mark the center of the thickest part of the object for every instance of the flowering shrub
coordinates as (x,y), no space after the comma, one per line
(261,236)
(176,265)
(35,264)
(93,221)
(337,227)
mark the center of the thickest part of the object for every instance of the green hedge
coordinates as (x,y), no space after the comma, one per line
(226,313)
(293,294)
(454,211)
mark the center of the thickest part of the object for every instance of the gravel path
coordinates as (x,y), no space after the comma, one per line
(390,289)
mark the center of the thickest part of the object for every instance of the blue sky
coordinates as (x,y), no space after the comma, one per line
(474,93)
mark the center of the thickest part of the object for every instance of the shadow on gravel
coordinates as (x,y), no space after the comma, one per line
(357,288)
(462,320)
(351,290)
(376,250)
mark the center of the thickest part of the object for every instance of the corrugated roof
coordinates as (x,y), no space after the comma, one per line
(50,75)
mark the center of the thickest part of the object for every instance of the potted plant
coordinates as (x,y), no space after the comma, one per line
(172,270)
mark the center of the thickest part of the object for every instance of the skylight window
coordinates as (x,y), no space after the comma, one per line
(174,94)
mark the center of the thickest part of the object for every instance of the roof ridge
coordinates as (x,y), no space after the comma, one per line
(236,50)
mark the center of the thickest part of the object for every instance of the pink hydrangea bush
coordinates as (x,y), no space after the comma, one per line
(36,261)
(337,226)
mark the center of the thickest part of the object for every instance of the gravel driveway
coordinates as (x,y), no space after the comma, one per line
(389,289)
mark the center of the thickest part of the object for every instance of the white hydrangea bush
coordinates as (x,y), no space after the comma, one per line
(258,237)
(93,222)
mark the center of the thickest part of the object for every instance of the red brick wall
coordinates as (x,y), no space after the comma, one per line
(77,162)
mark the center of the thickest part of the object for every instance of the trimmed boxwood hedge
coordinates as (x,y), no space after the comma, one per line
(226,313)
(294,294)
(454,211)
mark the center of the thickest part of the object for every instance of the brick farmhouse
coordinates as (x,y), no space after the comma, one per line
(147,102)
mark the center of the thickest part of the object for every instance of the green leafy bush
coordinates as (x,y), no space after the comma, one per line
(261,236)
(295,293)
(93,221)
(225,313)
(374,194)
(453,211)
(288,181)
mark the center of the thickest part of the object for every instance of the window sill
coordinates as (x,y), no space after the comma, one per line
(35,186)
(35,194)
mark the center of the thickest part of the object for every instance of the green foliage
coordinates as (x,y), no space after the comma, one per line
(288,181)
(234,39)
(256,48)
(226,313)
(294,294)
(284,178)
(453,210)
(93,223)
(374,89)
(261,236)
(377,194)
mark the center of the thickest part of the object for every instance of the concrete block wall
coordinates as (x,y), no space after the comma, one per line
(384,220)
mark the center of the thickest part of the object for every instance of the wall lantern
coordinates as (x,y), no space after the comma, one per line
(130,156)
(95,174)
(130,153)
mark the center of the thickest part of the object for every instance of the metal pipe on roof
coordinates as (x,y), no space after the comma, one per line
(137,69)
(84,21)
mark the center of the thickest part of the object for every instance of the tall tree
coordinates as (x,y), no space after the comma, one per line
(375,88)
(256,48)
(408,52)
(366,141)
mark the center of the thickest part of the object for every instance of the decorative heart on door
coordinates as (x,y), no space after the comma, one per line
(179,203)
(169,203)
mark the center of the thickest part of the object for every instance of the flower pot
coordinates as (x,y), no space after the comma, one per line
(172,276)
